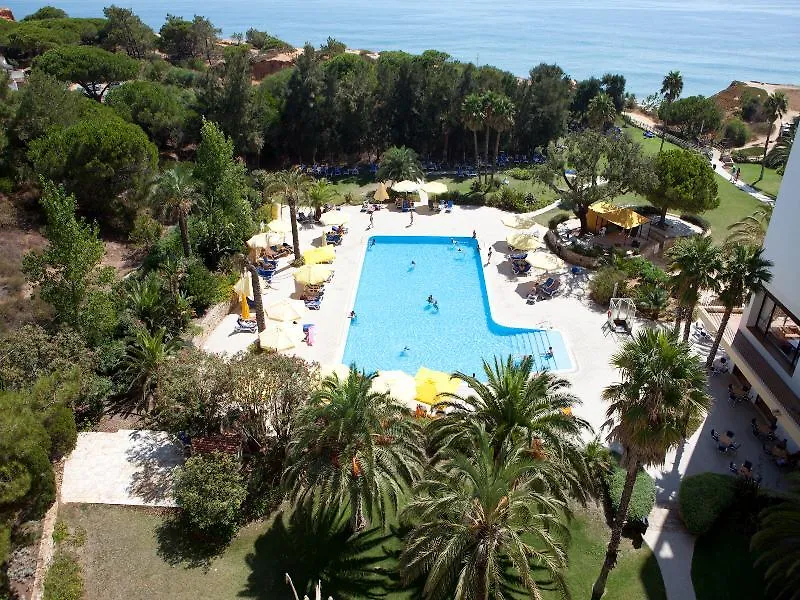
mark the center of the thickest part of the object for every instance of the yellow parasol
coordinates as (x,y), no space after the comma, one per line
(399,385)
(278,226)
(283,310)
(405,186)
(518,221)
(430,384)
(545,261)
(325,254)
(523,241)
(381,195)
(312,274)
(334,217)
(244,286)
(434,187)
(276,337)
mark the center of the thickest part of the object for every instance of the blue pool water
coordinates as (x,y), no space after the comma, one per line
(392,312)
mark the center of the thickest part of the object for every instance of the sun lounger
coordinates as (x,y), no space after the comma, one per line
(313,304)
(334,239)
(552,289)
(521,267)
(449,206)
(518,255)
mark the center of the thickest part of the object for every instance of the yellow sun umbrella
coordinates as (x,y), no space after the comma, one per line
(381,195)
(283,310)
(278,226)
(518,221)
(523,241)
(325,254)
(405,186)
(399,385)
(312,274)
(430,384)
(434,187)
(545,261)
(334,217)
(277,337)
(244,286)
(245,306)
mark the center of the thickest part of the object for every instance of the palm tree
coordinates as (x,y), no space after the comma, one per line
(490,100)
(779,155)
(399,163)
(694,263)
(752,228)
(176,192)
(473,117)
(291,186)
(502,120)
(743,272)
(320,193)
(243,263)
(671,88)
(775,544)
(474,518)
(652,299)
(354,446)
(655,406)
(516,403)
(601,111)
(774,108)
(145,354)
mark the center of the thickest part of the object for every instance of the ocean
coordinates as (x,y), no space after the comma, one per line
(712,42)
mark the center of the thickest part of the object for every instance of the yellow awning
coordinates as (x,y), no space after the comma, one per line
(325,254)
(619,215)
(430,384)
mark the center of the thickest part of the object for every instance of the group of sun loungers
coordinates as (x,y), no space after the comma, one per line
(546,289)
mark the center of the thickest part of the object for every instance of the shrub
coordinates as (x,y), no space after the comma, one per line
(203,287)
(507,198)
(146,231)
(60,425)
(210,490)
(643,497)
(185,78)
(557,220)
(651,299)
(697,220)
(5,542)
(703,498)
(752,154)
(519,173)
(601,286)
(736,132)
(63,580)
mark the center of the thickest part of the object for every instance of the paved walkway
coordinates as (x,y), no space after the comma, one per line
(131,467)
(742,185)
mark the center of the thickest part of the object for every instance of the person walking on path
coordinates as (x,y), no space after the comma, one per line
(371,220)
(411,214)
(489,256)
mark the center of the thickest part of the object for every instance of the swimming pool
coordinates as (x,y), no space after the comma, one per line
(397,328)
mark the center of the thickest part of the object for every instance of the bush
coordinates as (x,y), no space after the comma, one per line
(5,542)
(203,287)
(146,231)
(557,220)
(60,425)
(601,286)
(63,580)
(703,498)
(697,220)
(736,132)
(640,267)
(643,497)
(210,490)
(507,198)
(519,173)
(744,155)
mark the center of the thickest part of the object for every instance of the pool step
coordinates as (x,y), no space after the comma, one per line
(534,344)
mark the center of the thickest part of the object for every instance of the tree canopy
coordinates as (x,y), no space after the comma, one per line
(94,69)
(684,181)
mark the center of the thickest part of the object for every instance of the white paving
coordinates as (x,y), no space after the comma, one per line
(132,467)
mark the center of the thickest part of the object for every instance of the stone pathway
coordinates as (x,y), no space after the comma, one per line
(742,185)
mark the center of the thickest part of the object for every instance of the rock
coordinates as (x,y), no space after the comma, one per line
(5,13)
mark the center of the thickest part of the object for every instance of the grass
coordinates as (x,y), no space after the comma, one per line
(734,204)
(722,563)
(128,555)
(769,185)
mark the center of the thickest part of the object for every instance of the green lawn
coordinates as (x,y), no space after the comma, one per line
(722,566)
(769,185)
(123,559)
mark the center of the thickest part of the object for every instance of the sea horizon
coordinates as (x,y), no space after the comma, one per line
(711,42)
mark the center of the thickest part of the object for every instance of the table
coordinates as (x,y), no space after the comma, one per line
(724,440)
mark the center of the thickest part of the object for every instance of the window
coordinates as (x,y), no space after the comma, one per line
(780,329)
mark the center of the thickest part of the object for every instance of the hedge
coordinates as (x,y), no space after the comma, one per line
(644,492)
(697,220)
(63,580)
(703,498)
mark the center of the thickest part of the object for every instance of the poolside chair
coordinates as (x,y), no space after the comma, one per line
(552,289)
(313,304)
(265,273)
(521,268)
(333,238)
(449,206)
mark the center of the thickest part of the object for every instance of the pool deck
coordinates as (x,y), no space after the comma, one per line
(571,312)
